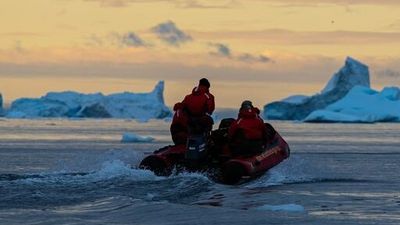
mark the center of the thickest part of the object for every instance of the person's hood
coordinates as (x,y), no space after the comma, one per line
(200,90)
(249,113)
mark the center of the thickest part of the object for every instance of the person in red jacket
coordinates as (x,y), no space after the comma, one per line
(193,114)
(248,133)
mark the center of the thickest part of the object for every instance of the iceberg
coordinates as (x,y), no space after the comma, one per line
(1,104)
(134,138)
(298,107)
(141,106)
(362,105)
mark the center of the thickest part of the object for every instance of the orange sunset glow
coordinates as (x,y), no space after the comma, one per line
(249,49)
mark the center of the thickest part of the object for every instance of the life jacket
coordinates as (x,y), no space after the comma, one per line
(249,125)
(193,114)
(199,103)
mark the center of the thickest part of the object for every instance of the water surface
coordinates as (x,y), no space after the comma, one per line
(78,172)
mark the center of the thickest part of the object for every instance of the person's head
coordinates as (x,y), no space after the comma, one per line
(204,82)
(246,105)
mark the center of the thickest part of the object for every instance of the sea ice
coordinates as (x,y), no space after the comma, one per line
(131,137)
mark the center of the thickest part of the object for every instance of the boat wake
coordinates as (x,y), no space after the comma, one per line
(296,170)
(113,178)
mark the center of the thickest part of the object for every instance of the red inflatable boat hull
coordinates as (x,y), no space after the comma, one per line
(233,170)
(240,169)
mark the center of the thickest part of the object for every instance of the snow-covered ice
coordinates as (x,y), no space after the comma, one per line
(131,137)
(295,99)
(362,105)
(347,98)
(299,107)
(141,106)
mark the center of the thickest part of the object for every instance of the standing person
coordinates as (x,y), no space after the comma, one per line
(193,114)
(248,133)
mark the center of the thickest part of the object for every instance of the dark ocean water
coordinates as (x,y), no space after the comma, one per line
(78,172)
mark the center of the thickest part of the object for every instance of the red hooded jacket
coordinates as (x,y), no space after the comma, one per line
(250,123)
(200,102)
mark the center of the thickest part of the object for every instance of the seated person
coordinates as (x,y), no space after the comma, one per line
(179,126)
(248,133)
(193,114)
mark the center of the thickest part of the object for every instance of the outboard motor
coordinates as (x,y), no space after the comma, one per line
(197,142)
(196,150)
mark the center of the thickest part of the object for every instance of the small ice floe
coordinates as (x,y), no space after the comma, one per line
(168,119)
(132,138)
(150,196)
(292,208)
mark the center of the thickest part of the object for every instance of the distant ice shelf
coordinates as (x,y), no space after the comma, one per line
(141,106)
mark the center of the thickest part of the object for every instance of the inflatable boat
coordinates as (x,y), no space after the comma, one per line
(212,154)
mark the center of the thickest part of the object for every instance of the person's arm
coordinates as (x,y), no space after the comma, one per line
(210,103)
(184,102)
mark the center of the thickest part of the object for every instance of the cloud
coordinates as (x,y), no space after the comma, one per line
(147,70)
(129,39)
(246,57)
(198,4)
(111,3)
(290,37)
(170,34)
(336,2)
(212,4)
(132,40)
(221,50)
(205,5)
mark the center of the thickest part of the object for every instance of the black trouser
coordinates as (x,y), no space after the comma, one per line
(200,124)
(195,125)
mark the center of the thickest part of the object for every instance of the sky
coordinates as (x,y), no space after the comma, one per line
(262,50)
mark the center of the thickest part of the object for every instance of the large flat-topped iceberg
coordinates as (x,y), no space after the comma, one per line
(142,106)
(299,107)
(362,105)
